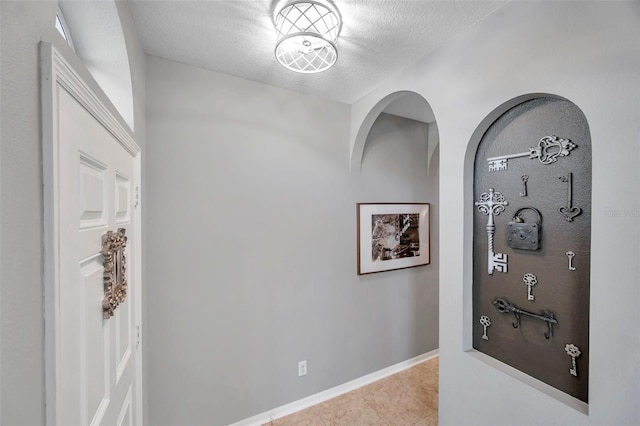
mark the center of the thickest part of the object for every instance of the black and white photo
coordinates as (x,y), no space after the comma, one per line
(392,236)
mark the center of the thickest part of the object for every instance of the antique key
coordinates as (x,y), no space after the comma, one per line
(525,178)
(486,322)
(548,150)
(570,255)
(530,280)
(574,352)
(505,307)
(569,212)
(490,204)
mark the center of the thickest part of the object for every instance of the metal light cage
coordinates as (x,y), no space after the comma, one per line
(307,32)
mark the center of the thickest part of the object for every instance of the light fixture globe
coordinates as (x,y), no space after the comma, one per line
(307,33)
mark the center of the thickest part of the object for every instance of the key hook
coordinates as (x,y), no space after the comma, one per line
(517,323)
(549,315)
(548,334)
(503,307)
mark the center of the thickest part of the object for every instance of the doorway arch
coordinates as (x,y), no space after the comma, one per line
(403,103)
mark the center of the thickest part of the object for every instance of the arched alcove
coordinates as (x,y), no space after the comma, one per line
(528,233)
(405,104)
(99,41)
(398,162)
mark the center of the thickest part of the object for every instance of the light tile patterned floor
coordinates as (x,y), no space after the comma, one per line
(408,398)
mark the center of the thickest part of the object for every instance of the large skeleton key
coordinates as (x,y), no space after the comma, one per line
(548,150)
(490,204)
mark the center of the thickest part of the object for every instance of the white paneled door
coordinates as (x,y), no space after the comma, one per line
(92,181)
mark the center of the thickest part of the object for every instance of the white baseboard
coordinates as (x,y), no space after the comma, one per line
(328,394)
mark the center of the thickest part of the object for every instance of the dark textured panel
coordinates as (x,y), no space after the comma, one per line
(564,292)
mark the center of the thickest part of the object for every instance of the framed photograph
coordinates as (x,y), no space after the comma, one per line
(392,236)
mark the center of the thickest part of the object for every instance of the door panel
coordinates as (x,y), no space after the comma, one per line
(125,418)
(96,381)
(123,195)
(123,328)
(93,193)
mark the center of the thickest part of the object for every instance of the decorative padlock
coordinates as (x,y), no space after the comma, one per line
(524,235)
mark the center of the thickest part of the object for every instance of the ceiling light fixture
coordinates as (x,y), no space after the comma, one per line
(307,32)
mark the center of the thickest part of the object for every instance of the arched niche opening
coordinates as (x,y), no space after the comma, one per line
(528,239)
(404,104)
(398,162)
(99,41)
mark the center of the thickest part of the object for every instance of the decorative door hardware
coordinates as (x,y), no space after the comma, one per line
(570,255)
(486,322)
(524,235)
(505,307)
(115,271)
(490,204)
(530,280)
(574,352)
(525,178)
(569,212)
(548,150)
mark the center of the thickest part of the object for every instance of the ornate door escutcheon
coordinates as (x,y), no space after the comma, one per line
(115,271)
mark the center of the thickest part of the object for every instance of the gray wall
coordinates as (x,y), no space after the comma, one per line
(252,247)
(589,53)
(23,25)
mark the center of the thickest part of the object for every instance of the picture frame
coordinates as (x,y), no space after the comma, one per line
(392,236)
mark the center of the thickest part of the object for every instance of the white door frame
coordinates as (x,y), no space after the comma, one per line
(56,70)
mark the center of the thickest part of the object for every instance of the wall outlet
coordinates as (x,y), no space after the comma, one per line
(302,368)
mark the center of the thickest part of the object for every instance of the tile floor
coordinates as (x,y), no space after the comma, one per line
(408,398)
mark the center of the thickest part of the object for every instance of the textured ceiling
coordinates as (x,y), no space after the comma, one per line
(379,38)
